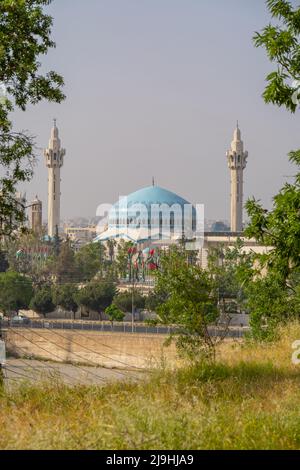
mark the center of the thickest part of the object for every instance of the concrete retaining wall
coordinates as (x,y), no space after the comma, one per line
(122,350)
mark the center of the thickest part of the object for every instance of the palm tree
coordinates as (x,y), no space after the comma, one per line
(111,249)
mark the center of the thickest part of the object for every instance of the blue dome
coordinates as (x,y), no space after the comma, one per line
(150,212)
(154,195)
(146,204)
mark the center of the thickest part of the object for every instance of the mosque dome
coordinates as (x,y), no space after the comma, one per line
(153,195)
(151,209)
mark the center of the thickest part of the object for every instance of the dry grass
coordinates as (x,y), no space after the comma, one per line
(250,399)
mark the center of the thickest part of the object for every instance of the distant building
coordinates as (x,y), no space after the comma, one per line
(220,226)
(228,240)
(80,236)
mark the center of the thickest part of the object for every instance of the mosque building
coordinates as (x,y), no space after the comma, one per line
(155,216)
(150,214)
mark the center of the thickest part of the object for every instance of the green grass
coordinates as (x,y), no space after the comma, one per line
(250,399)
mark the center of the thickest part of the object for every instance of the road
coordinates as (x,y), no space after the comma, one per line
(32,370)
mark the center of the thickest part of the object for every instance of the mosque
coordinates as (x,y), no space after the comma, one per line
(154,215)
(150,214)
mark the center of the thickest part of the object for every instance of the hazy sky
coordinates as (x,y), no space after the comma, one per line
(154,87)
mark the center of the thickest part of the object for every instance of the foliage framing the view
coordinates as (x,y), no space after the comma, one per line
(282,44)
(273,297)
(25,36)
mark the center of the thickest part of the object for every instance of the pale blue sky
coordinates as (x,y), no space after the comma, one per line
(154,87)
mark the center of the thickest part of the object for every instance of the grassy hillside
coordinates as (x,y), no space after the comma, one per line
(250,399)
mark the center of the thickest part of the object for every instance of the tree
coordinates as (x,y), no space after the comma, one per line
(97,295)
(114,313)
(42,301)
(269,304)
(122,258)
(123,300)
(273,293)
(56,242)
(65,296)
(155,298)
(15,292)
(279,228)
(190,306)
(64,266)
(230,270)
(282,44)
(24,37)
(28,254)
(4,265)
(89,260)
(111,244)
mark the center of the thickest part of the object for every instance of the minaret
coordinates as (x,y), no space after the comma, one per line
(36,216)
(237,161)
(54,156)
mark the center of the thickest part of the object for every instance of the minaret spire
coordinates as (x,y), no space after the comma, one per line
(54,157)
(237,161)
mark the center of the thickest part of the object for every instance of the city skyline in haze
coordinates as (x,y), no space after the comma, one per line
(155,89)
